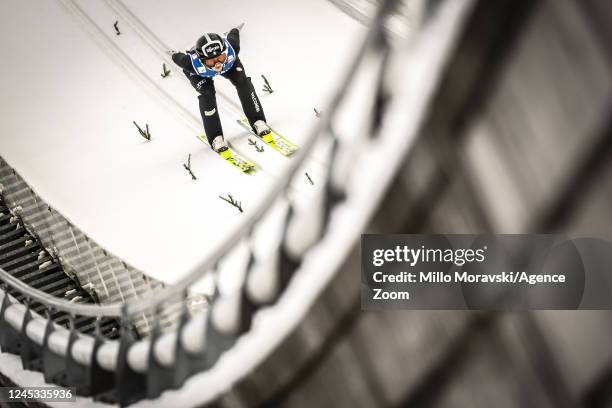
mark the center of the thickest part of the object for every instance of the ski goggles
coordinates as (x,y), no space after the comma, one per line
(212,61)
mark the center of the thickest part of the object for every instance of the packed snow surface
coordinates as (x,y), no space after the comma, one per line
(72,88)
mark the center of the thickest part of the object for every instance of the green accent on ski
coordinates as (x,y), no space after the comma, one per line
(273,139)
(237,160)
(234,158)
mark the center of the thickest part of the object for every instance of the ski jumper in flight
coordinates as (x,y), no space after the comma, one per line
(213,56)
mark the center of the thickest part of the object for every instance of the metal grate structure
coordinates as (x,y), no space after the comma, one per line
(128,370)
(465,133)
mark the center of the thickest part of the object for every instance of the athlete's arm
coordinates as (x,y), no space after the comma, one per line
(234,39)
(182,60)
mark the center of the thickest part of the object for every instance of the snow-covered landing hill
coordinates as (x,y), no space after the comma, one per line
(72,87)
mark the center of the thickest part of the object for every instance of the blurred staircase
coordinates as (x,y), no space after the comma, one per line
(22,255)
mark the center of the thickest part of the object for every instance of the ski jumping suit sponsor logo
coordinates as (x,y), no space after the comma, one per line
(255,103)
(213,49)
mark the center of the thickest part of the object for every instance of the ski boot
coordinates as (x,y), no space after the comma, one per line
(263,131)
(219,144)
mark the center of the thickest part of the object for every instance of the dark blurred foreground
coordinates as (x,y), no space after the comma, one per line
(519,139)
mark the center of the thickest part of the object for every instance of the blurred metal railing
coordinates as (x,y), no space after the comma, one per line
(150,300)
(132,370)
(406,16)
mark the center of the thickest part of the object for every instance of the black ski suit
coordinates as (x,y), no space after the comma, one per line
(206,87)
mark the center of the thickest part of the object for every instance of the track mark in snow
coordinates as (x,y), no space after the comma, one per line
(108,44)
(157,45)
(127,63)
(133,69)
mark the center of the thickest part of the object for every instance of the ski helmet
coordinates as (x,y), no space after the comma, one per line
(210,45)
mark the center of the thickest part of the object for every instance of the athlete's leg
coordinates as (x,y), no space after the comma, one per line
(208,108)
(246,92)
